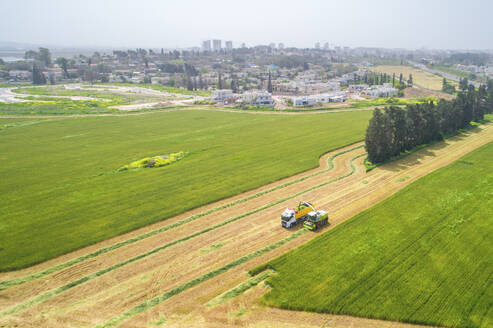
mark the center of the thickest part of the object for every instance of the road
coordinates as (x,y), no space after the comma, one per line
(171,270)
(443,74)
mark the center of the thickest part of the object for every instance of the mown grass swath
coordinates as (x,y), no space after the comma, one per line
(148,304)
(240,289)
(421,256)
(59,290)
(71,202)
(9,283)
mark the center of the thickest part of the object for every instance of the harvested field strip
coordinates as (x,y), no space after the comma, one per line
(14,282)
(240,289)
(421,256)
(59,290)
(146,305)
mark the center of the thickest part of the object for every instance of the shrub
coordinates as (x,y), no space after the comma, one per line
(156,161)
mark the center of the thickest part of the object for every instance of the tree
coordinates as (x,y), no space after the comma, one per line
(400,78)
(52,79)
(393,80)
(234,87)
(63,64)
(44,56)
(489,100)
(201,83)
(219,82)
(30,54)
(447,88)
(38,76)
(410,81)
(376,139)
(195,83)
(463,84)
(269,84)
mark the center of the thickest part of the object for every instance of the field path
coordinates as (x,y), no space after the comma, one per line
(212,253)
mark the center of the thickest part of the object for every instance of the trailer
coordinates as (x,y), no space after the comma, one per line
(292,216)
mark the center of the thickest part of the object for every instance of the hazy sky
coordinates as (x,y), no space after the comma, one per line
(457,24)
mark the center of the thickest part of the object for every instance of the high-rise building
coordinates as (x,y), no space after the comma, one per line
(216,45)
(272,45)
(326,46)
(280,45)
(317,45)
(206,45)
(243,45)
(229,45)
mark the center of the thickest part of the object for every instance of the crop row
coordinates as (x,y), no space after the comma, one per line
(148,304)
(14,282)
(59,290)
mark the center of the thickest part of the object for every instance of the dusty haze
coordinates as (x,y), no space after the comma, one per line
(452,24)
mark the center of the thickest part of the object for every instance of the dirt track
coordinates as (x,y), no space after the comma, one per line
(110,294)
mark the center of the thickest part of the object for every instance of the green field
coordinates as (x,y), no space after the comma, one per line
(424,255)
(61,189)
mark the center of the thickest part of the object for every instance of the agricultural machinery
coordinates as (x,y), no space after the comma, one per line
(316,220)
(292,216)
(304,212)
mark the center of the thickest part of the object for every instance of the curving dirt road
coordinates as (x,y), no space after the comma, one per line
(197,253)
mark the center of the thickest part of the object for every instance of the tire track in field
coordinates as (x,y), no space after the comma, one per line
(51,293)
(18,281)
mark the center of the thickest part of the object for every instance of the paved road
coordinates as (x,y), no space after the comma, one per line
(446,75)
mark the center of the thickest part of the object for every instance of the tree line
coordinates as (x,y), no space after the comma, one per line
(394,129)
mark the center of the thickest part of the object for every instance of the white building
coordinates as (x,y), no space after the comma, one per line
(357,87)
(206,45)
(381,91)
(257,98)
(216,45)
(222,95)
(319,98)
(304,101)
(229,45)
(280,46)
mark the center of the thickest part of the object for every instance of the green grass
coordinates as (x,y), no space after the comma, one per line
(160,87)
(7,85)
(452,70)
(56,197)
(45,296)
(423,255)
(366,104)
(58,107)
(14,282)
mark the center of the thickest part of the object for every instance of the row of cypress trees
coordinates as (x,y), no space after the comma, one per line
(395,130)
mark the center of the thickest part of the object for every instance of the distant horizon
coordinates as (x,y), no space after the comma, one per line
(120,24)
(236,45)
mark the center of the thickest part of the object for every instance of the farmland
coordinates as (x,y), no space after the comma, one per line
(76,197)
(420,78)
(420,256)
(172,269)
